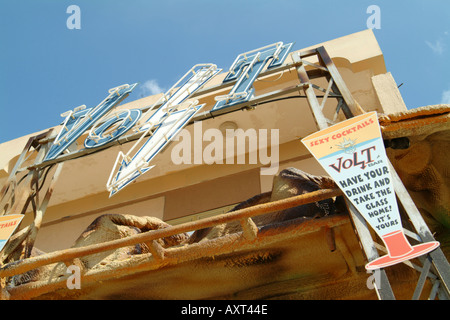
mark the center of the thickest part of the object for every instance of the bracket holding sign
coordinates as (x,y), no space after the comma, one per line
(245,69)
(162,126)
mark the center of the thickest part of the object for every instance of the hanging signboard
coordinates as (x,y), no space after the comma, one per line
(8,224)
(352,152)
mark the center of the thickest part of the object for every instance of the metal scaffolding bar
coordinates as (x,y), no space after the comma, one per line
(25,265)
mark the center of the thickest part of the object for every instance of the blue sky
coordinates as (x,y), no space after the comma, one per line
(47,69)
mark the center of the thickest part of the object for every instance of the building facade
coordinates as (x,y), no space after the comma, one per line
(217,161)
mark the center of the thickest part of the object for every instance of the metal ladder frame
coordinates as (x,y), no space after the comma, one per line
(435,265)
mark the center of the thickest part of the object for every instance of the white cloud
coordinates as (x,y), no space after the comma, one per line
(437,47)
(150,87)
(445,97)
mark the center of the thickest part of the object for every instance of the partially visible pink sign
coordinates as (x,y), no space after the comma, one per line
(352,152)
(8,225)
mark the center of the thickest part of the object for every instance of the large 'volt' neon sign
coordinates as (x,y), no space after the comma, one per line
(174,111)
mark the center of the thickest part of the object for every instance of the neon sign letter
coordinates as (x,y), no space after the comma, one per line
(80,119)
(246,68)
(162,125)
(112,128)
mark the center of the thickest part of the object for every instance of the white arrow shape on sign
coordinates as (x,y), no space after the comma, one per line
(131,168)
(162,126)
